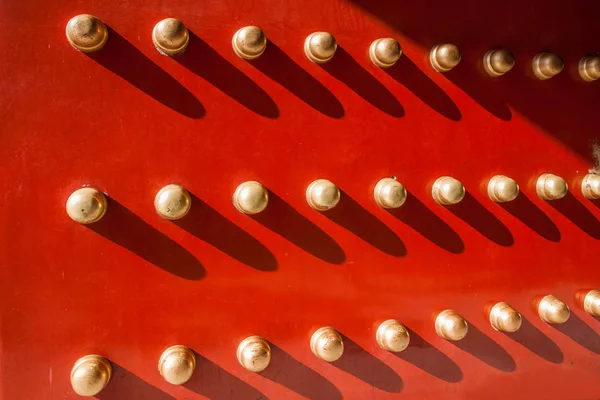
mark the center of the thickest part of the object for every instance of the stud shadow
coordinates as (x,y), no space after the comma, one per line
(284,220)
(368,368)
(125,60)
(126,229)
(580,332)
(426,357)
(410,76)
(578,214)
(353,217)
(528,213)
(124,385)
(480,346)
(208,225)
(482,220)
(537,342)
(204,61)
(416,215)
(345,68)
(297,377)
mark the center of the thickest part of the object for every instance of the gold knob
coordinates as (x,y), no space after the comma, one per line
(591,303)
(392,336)
(504,318)
(86,205)
(385,52)
(447,190)
(502,189)
(444,57)
(326,343)
(551,187)
(389,193)
(249,42)
(254,353)
(320,47)
(172,202)
(170,37)
(498,62)
(590,186)
(322,195)
(86,33)
(547,65)
(589,68)
(250,197)
(177,364)
(90,374)
(553,311)
(450,325)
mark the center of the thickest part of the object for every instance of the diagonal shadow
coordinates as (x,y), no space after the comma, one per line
(124,385)
(528,213)
(538,343)
(578,214)
(580,332)
(480,346)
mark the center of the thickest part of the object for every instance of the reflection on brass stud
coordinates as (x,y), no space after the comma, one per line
(385,52)
(389,193)
(254,353)
(450,325)
(444,57)
(326,343)
(320,47)
(504,318)
(553,311)
(590,186)
(172,202)
(447,190)
(589,68)
(502,189)
(250,197)
(86,205)
(591,303)
(90,374)
(498,62)
(177,364)
(322,195)
(249,42)
(170,37)
(551,187)
(547,65)
(392,336)
(86,33)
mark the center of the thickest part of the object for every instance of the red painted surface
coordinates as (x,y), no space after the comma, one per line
(128,121)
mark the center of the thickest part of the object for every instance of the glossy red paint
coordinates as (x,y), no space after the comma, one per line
(129,120)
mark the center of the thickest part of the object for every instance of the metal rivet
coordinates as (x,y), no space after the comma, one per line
(90,374)
(86,33)
(450,325)
(322,195)
(504,318)
(553,311)
(254,353)
(170,37)
(547,65)
(389,193)
(591,303)
(444,57)
(590,186)
(250,197)
(320,47)
(385,52)
(177,364)
(589,68)
(551,187)
(172,202)
(86,205)
(326,343)
(447,190)
(502,189)
(249,42)
(392,336)
(498,62)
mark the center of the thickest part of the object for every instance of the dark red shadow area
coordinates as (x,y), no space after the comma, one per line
(480,346)
(537,342)
(528,213)
(578,214)
(124,385)
(580,332)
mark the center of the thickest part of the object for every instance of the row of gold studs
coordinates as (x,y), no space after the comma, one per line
(170,37)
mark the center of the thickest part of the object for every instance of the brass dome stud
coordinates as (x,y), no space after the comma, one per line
(392,336)
(551,187)
(444,57)
(589,68)
(170,37)
(450,325)
(86,205)
(389,193)
(591,303)
(590,186)
(447,190)
(90,374)
(320,47)
(326,343)
(547,65)
(250,197)
(249,42)
(254,353)
(177,364)
(385,52)
(502,189)
(322,195)
(172,202)
(553,311)
(86,33)
(498,62)
(504,318)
